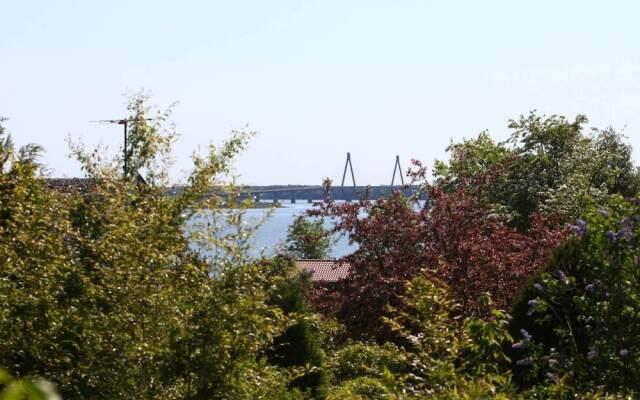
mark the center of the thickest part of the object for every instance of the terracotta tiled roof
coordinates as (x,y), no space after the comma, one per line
(324,270)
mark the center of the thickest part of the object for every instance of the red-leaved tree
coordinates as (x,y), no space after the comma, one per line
(452,235)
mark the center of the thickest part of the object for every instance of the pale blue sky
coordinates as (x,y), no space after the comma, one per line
(316,78)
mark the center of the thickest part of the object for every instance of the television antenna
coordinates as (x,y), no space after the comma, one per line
(125,123)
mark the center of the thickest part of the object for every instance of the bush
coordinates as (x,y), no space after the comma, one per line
(360,359)
(579,320)
(298,345)
(447,350)
(362,388)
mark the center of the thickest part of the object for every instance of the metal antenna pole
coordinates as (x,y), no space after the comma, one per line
(125,123)
(126,154)
(399,169)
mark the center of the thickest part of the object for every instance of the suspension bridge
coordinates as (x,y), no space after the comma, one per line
(347,191)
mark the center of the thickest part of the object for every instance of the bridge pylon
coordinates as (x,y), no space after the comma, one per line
(344,174)
(398,168)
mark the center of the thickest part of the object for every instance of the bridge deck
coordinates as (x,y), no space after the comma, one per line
(309,193)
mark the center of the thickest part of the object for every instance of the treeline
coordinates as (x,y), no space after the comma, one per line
(519,278)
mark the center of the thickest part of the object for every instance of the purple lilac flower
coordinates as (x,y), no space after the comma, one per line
(580,228)
(604,212)
(592,354)
(539,287)
(625,222)
(624,353)
(532,306)
(562,276)
(593,286)
(519,346)
(524,343)
(624,233)
(611,236)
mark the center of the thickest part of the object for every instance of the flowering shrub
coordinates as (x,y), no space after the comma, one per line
(580,319)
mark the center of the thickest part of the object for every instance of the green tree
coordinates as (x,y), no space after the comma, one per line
(105,291)
(298,346)
(470,158)
(553,171)
(12,160)
(308,239)
(550,165)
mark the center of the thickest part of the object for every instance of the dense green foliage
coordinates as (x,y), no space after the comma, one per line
(440,354)
(114,289)
(361,359)
(101,292)
(548,165)
(298,346)
(579,321)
